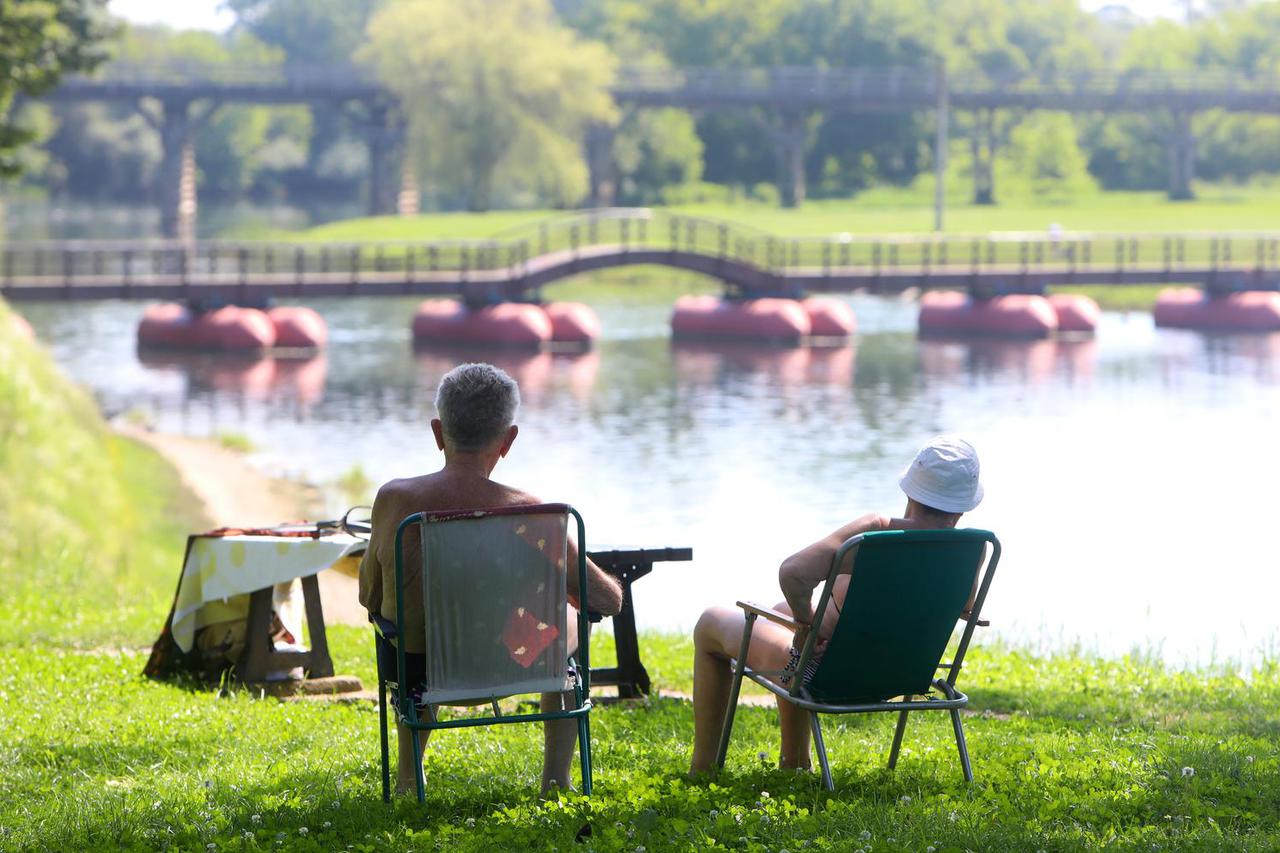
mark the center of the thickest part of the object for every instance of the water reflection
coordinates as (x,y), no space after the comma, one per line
(247,377)
(541,375)
(1070,361)
(722,363)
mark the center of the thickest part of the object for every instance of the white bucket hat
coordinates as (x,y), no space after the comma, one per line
(944,475)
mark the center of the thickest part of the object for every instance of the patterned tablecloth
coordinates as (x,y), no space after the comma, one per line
(220,569)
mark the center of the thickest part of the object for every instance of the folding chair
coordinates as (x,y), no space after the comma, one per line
(494,599)
(907,590)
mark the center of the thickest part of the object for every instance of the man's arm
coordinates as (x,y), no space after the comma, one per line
(802,572)
(371,563)
(604,592)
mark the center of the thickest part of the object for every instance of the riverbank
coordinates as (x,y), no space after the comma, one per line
(233,493)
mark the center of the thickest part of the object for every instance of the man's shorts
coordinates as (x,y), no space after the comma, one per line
(789,671)
(415,666)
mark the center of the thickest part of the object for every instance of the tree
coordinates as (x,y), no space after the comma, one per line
(493,89)
(40,40)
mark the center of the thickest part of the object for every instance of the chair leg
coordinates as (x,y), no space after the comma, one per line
(897,739)
(820,745)
(386,758)
(964,750)
(418,777)
(738,668)
(584,752)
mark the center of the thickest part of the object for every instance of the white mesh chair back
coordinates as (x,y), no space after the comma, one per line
(495,601)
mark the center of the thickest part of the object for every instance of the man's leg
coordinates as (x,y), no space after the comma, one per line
(559,737)
(406,779)
(717,638)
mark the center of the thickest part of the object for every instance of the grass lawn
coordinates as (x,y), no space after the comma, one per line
(1070,752)
(879,211)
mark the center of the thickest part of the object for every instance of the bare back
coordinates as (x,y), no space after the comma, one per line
(398,499)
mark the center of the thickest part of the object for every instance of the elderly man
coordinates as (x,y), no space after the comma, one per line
(476,404)
(941,484)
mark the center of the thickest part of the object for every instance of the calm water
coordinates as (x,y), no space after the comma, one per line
(1131,477)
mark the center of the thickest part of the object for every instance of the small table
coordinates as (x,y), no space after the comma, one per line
(628,565)
(224,568)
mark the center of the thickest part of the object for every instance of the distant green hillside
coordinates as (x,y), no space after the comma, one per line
(93,524)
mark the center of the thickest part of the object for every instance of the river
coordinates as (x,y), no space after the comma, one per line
(1128,476)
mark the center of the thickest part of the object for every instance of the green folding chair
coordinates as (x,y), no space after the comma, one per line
(494,593)
(907,590)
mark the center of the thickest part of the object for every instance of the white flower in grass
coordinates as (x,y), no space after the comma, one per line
(905,799)
(256,818)
(327,824)
(1188,771)
(930,849)
(211,846)
(764,795)
(302,830)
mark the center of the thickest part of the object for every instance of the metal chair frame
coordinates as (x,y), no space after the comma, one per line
(798,693)
(405,708)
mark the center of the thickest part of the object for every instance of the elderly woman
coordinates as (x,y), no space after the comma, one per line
(941,484)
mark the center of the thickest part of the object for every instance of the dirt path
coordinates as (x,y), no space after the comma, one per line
(235,494)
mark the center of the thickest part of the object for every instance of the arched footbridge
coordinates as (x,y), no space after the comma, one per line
(517,264)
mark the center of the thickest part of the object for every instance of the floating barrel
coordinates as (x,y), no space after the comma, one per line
(829,318)
(1076,313)
(1017,315)
(572,322)
(298,326)
(1189,308)
(779,320)
(231,329)
(514,324)
(21,326)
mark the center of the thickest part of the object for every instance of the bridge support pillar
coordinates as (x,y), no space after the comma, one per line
(983,146)
(385,137)
(790,133)
(601,168)
(1182,157)
(175,187)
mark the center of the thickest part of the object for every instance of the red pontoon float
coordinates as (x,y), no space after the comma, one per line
(512,324)
(298,326)
(1017,315)
(572,322)
(1076,313)
(1189,308)
(231,329)
(766,319)
(829,318)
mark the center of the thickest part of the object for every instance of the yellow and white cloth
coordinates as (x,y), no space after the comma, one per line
(218,569)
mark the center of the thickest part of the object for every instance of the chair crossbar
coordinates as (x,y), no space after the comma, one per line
(465,722)
(955,699)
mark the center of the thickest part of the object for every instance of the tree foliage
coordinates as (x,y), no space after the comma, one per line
(498,94)
(40,40)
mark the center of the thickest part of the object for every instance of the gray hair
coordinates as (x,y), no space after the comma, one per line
(476,404)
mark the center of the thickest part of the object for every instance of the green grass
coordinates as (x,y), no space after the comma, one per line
(878,211)
(236,442)
(1071,752)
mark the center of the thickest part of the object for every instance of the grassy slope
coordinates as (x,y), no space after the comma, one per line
(1069,752)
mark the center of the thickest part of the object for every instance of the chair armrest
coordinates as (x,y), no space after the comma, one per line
(967,616)
(772,615)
